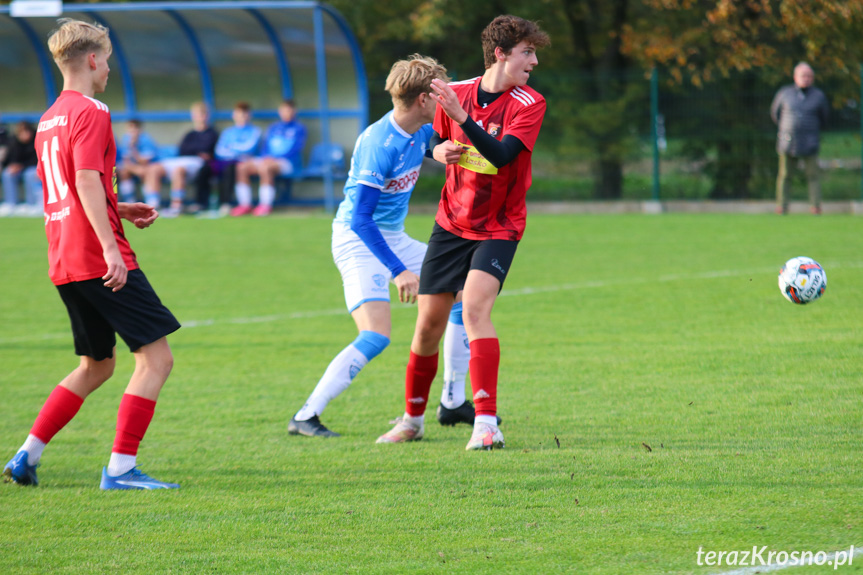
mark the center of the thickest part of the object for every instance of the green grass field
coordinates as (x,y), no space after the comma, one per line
(617,333)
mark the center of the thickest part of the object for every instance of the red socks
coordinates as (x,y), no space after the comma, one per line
(484,362)
(133,418)
(59,409)
(418,380)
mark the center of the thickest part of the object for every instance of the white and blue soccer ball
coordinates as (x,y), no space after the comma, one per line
(802,280)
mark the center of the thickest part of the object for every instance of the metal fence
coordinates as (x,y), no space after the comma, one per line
(640,136)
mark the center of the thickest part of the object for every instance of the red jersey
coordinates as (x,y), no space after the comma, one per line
(479,201)
(75,134)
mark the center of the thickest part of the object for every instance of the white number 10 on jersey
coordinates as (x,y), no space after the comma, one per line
(53,177)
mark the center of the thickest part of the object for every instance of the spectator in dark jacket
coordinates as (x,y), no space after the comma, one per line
(800,110)
(20,166)
(191,164)
(4,143)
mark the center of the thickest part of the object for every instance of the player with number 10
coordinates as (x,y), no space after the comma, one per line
(93,266)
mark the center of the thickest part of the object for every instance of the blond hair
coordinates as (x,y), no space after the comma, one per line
(200,107)
(74,38)
(411,77)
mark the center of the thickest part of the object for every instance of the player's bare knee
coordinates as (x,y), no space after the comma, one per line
(163,363)
(97,372)
(155,357)
(428,333)
(475,316)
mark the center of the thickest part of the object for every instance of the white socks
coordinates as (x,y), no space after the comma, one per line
(244,194)
(487,419)
(127,190)
(456,359)
(121,463)
(266,195)
(415,420)
(335,380)
(118,465)
(34,447)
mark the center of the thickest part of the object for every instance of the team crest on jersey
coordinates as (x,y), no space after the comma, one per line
(379,280)
(494,130)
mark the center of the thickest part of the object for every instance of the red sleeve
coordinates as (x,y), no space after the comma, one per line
(88,139)
(441,124)
(526,124)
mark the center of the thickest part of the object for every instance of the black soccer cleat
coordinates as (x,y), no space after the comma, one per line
(311,428)
(464,413)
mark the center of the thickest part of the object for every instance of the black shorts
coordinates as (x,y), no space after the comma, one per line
(449,258)
(134,312)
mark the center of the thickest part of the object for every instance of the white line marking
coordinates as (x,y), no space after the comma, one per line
(525,291)
(779,566)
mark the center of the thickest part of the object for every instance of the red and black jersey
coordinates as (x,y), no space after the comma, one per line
(75,134)
(479,201)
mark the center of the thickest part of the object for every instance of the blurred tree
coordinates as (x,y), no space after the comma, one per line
(594,76)
(600,108)
(739,49)
(584,75)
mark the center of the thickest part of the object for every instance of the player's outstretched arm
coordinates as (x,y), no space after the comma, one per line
(92,196)
(140,214)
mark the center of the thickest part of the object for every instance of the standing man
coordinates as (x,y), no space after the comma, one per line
(489,125)
(92,264)
(800,110)
(370,246)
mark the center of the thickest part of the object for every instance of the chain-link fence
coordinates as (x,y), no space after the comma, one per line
(641,136)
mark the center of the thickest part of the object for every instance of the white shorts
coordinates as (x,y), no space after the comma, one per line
(286,168)
(191,164)
(364,277)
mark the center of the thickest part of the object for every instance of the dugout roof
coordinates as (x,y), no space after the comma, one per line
(170,54)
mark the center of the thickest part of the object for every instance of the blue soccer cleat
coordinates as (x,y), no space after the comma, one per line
(134,479)
(17,471)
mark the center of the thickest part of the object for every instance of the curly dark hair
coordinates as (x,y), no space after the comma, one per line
(507,31)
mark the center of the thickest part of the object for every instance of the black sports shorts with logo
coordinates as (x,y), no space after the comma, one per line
(449,258)
(97,313)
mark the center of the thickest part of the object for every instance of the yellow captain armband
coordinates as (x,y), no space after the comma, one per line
(472,160)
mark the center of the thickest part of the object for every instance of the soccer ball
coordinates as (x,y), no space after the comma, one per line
(802,280)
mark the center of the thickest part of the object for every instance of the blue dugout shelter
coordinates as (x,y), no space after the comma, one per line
(170,54)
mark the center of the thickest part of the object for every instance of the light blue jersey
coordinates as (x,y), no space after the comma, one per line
(285,140)
(389,159)
(238,143)
(148,149)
